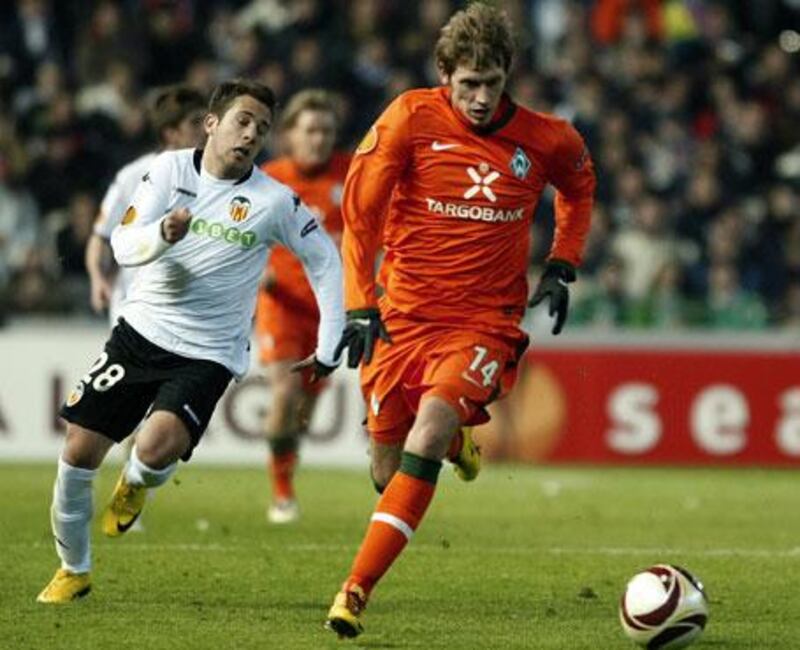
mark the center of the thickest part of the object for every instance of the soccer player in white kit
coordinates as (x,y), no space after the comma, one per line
(176,117)
(200,224)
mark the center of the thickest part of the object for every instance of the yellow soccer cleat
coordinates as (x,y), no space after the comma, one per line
(345,612)
(65,587)
(467,464)
(125,507)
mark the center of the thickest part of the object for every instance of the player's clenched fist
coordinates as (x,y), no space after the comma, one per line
(175,225)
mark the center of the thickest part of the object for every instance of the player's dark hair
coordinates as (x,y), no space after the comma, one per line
(479,36)
(226,93)
(311,99)
(171,105)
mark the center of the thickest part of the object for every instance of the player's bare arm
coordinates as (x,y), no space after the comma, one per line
(98,259)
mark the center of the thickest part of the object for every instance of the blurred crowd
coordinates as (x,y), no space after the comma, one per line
(691,109)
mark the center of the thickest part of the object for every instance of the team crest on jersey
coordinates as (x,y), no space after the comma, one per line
(239,208)
(76,394)
(369,142)
(520,164)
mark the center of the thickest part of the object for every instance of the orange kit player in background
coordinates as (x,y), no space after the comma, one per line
(286,315)
(448,180)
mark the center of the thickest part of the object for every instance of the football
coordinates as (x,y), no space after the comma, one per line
(664,606)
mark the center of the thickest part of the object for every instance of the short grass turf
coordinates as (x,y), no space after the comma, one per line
(524,557)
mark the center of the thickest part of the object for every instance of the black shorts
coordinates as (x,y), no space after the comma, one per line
(133,375)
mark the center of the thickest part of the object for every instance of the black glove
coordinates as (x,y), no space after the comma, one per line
(318,369)
(553,284)
(364,328)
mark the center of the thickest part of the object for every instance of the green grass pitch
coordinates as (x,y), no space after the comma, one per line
(522,558)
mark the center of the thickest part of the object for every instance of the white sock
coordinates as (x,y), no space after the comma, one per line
(71,516)
(137,473)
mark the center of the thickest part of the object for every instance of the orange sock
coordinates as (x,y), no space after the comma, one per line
(397,515)
(281,470)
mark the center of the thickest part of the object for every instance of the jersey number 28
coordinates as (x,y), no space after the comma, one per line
(102,381)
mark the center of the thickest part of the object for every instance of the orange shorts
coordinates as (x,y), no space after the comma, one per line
(467,369)
(286,333)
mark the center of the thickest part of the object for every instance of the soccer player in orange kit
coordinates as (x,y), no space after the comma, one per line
(287,317)
(448,180)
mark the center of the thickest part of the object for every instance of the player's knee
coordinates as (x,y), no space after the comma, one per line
(84,449)
(429,440)
(433,429)
(80,457)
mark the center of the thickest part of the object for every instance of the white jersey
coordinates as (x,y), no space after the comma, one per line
(196,298)
(115,202)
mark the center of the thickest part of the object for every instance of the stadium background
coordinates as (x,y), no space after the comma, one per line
(690,108)
(681,346)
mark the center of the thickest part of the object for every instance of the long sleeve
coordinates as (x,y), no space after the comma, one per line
(377,165)
(137,240)
(572,174)
(303,236)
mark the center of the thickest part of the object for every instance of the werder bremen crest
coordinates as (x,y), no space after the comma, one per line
(520,164)
(239,208)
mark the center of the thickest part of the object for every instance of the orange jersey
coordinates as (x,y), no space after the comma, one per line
(322,193)
(453,206)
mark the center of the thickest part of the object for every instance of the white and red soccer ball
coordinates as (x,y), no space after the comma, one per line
(664,606)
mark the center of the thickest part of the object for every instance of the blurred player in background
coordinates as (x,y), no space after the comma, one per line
(287,317)
(201,223)
(448,179)
(176,117)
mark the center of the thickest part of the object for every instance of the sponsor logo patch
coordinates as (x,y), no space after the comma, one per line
(231,235)
(482,178)
(475,212)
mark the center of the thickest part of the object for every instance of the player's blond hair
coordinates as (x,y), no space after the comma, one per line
(479,37)
(310,99)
